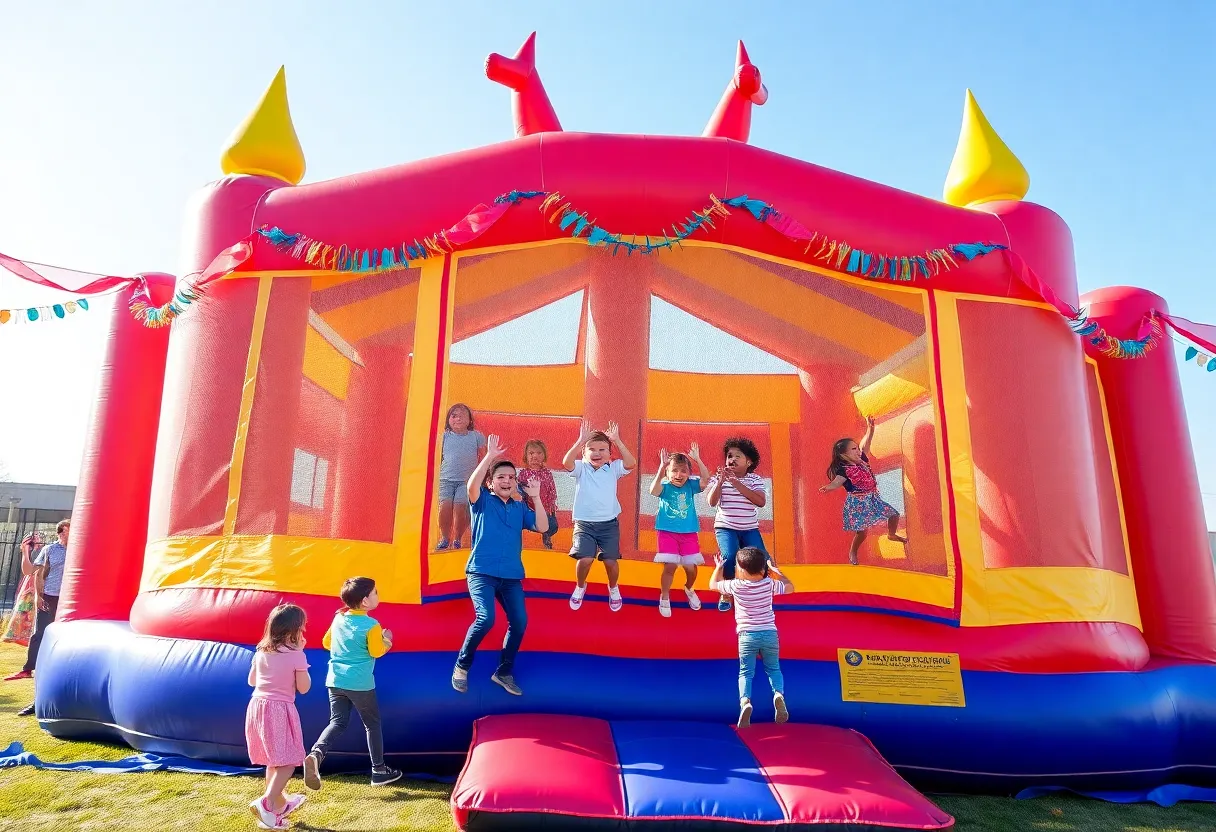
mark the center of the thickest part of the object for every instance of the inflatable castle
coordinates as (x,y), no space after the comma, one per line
(1052,619)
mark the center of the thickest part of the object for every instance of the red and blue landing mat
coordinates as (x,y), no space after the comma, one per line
(537,771)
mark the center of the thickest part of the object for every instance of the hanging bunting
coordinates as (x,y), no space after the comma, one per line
(43,314)
(577,223)
(1111,346)
(828,251)
(841,256)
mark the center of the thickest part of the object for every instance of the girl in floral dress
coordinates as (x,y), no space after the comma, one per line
(863,507)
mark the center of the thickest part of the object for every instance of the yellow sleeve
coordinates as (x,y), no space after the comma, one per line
(375,642)
(325,639)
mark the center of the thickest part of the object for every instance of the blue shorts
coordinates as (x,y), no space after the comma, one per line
(454,491)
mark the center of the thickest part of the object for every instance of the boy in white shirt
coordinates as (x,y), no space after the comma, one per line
(753,590)
(597,532)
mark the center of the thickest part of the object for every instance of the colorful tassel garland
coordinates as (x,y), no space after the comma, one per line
(43,314)
(1111,346)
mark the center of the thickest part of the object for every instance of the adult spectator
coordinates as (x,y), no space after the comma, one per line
(47,581)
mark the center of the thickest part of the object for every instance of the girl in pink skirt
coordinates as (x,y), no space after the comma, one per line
(272,723)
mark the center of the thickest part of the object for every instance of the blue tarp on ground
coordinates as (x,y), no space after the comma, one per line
(16,755)
(1162,795)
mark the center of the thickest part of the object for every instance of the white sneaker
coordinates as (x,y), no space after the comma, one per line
(576,599)
(783,713)
(615,601)
(694,603)
(665,607)
(745,713)
(266,818)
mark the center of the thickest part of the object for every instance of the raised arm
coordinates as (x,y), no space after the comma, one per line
(715,489)
(614,435)
(532,492)
(716,577)
(576,450)
(656,485)
(694,453)
(774,571)
(494,452)
(27,555)
(869,437)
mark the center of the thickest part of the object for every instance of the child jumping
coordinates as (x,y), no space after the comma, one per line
(354,641)
(535,469)
(756,625)
(737,491)
(495,570)
(677,524)
(272,724)
(461,447)
(597,533)
(863,507)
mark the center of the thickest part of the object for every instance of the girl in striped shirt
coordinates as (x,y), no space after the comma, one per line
(737,491)
(756,625)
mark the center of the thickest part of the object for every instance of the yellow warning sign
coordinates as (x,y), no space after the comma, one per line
(886,677)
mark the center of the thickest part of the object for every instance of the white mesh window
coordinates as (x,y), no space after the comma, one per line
(891,487)
(308,477)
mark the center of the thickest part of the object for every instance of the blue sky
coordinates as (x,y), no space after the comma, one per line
(113,115)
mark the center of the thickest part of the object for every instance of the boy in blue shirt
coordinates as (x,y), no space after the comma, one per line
(495,570)
(354,641)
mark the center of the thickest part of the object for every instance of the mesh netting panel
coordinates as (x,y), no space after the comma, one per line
(697,345)
(1032,439)
(323,453)
(203,381)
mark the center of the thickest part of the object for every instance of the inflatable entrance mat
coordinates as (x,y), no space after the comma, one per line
(535,771)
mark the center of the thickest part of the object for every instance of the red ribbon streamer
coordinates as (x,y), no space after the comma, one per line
(104,283)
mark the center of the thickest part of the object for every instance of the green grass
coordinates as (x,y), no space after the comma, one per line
(36,800)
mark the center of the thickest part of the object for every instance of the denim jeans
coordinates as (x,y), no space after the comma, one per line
(763,644)
(509,592)
(730,541)
(42,620)
(547,537)
(340,703)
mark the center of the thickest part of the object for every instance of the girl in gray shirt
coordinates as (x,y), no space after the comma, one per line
(462,448)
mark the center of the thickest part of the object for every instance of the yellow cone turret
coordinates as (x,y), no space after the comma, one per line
(984,168)
(266,143)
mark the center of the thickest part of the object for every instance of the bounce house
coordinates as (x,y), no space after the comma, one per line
(1051,620)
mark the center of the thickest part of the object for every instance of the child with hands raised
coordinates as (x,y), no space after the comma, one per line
(495,569)
(676,522)
(597,532)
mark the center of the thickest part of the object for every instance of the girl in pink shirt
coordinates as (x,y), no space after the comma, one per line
(272,723)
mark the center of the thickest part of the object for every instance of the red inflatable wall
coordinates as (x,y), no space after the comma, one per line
(110,518)
(1166,530)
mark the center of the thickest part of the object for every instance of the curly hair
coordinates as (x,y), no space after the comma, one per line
(744,446)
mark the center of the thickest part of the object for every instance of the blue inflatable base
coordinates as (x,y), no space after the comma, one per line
(1085,731)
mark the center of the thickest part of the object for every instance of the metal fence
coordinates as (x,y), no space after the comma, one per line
(15,525)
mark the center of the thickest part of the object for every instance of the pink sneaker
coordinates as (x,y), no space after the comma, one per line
(615,602)
(294,801)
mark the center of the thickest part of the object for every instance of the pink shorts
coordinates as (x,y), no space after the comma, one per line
(683,548)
